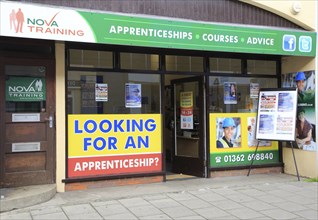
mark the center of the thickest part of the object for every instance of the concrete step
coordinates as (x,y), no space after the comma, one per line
(21,197)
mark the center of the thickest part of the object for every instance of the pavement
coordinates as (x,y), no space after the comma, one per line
(258,196)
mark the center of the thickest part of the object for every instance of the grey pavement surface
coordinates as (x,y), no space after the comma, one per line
(259,196)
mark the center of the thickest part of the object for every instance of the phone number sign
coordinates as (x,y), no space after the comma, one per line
(243,158)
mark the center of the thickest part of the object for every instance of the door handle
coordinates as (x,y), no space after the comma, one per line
(50,120)
(172,124)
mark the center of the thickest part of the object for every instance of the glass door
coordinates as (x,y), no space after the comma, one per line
(189,127)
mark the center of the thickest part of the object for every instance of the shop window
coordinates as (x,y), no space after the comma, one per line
(135,61)
(184,63)
(113,93)
(225,65)
(236,94)
(266,67)
(91,58)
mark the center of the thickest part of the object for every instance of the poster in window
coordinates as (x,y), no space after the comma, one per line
(230,93)
(235,131)
(101,92)
(228,132)
(276,114)
(133,95)
(186,108)
(306,120)
(254,90)
(251,132)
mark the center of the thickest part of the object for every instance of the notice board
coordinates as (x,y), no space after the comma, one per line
(276,114)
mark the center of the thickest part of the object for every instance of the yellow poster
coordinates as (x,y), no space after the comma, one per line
(100,145)
(186,110)
(233,142)
(100,135)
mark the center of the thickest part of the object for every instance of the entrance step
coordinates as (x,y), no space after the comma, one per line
(175,176)
(21,197)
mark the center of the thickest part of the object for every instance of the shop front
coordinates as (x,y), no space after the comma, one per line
(135,99)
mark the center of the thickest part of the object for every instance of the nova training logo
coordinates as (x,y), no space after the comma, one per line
(19,23)
(16,20)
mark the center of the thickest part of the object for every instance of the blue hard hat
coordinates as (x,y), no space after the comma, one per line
(228,122)
(300,76)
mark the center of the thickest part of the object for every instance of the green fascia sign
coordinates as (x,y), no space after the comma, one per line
(164,33)
(25,89)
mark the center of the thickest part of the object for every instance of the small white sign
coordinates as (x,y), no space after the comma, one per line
(101,92)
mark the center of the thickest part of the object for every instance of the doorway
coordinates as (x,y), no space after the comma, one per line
(27,110)
(186,122)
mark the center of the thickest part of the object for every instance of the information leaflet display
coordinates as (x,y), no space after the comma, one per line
(276,118)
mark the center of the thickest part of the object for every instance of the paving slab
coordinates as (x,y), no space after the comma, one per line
(161,216)
(245,213)
(17,216)
(211,212)
(289,206)
(142,211)
(133,202)
(195,203)
(227,204)
(56,215)
(279,214)
(110,209)
(257,205)
(178,211)
(308,214)
(165,203)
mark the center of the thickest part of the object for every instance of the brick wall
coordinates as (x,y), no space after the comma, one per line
(115,182)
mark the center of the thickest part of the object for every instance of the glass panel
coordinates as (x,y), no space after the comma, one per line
(225,65)
(187,119)
(91,58)
(184,63)
(108,93)
(246,93)
(25,88)
(267,67)
(135,61)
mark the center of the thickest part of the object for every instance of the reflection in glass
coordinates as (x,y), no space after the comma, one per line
(82,99)
(246,100)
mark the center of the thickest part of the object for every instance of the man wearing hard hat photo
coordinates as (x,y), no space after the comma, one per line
(304,96)
(228,126)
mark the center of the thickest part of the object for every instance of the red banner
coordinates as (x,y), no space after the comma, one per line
(120,164)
